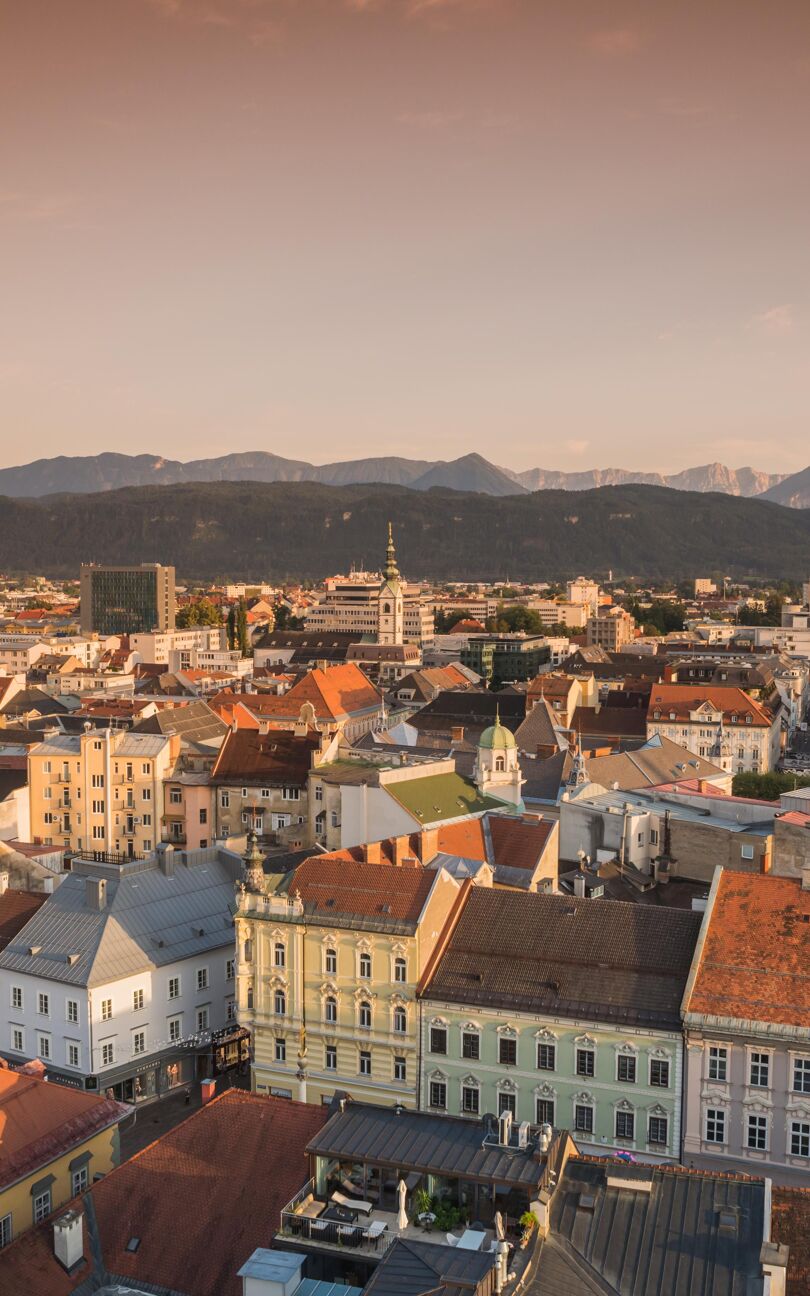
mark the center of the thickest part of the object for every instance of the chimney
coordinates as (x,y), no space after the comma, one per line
(428,844)
(579,886)
(702,785)
(805,877)
(372,853)
(400,848)
(68,1240)
(774,1260)
(165,854)
(4,879)
(95,893)
(457,733)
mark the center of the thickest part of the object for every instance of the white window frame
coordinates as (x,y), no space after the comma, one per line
(719,1116)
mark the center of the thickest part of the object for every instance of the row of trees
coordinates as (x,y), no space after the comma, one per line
(767,787)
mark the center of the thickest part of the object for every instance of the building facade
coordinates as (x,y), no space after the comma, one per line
(327,976)
(720,723)
(126,600)
(612,631)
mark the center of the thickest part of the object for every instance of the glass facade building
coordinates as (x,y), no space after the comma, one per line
(127,600)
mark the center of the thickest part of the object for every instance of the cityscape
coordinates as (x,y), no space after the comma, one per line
(405,650)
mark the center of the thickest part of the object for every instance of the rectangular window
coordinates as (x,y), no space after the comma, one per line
(106,1009)
(715,1125)
(759,1070)
(17,1040)
(175,796)
(400,1069)
(507,1102)
(438,1094)
(585,1062)
(203,816)
(16,997)
(43,1005)
(147,822)
(202,978)
(137,1000)
(72,1054)
(800,1138)
(5,1230)
(139,1042)
(72,1010)
(78,1181)
(626,1069)
(659,1074)
(471,1046)
(657,1130)
(544,1111)
(757,1133)
(801,1075)
(507,1052)
(225,800)
(365,1062)
(281,1050)
(470,1100)
(230,1009)
(330,1060)
(174,1029)
(202,1019)
(438,1039)
(42,1206)
(98,832)
(174,987)
(546,1057)
(107,1053)
(625,1125)
(44,1046)
(583,1119)
(230,969)
(718,1063)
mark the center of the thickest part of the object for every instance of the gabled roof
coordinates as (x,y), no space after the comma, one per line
(233,1165)
(518,843)
(16,908)
(276,758)
(604,959)
(755,962)
(682,699)
(381,893)
(659,760)
(540,729)
(412,1267)
(193,721)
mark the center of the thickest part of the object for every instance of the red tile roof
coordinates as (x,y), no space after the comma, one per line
(261,759)
(465,839)
(200,1199)
(40,1122)
(336,692)
(684,698)
(755,964)
(517,843)
(362,890)
(790,1224)
(16,907)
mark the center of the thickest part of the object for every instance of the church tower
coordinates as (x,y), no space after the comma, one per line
(497,768)
(390,606)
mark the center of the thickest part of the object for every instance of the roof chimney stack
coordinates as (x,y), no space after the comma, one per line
(95,893)
(68,1240)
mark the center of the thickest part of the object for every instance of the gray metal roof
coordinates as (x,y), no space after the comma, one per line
(671,1240)
(419,1141)
(149,920)
(412,1267)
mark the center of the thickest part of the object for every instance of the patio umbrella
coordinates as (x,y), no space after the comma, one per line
(500,1231)
(402,1218)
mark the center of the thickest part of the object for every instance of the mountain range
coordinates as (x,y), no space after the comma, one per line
(471,472)
(296,530)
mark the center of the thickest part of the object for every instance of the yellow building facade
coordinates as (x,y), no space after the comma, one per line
(327,976)
(99,791)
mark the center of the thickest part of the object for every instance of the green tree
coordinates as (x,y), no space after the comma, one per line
(512,620)
(767,787)
(230,627)
(202,613)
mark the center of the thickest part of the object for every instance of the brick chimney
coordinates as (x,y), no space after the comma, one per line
(372,853)
(400,849)
(428,844)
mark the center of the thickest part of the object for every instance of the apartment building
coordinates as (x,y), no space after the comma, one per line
(327,975)
(100,791)
(121,978)
(559,612)
(611,631)
(721,723)
(746,1013)
(126,600)
(260,782)
(584,591)
(565,1012)
(179,649)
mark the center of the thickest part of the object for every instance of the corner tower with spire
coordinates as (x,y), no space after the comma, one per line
(390,605)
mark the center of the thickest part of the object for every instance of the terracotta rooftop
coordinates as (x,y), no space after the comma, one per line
(16,907)
(41,1121)
(790,1224)
(278,757)
(377,891)
(755,963)
(465,838)
(234,1164)
(685,698)
(518,843)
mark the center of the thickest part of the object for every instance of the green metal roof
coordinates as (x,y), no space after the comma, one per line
(441,796)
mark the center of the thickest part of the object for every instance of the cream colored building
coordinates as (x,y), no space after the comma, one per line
(327,975)
(100,791)
(611,631)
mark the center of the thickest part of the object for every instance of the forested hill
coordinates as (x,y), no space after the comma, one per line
(296,530)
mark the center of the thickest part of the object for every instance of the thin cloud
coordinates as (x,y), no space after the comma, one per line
(616,42)
(577,447)
(777,320)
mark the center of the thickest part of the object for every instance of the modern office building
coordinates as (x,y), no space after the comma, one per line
(127,600)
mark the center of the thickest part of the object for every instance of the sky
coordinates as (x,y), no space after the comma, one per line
(567,235)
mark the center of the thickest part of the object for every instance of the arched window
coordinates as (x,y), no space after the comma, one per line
(400,1021)
(248,950)
(365,1015)
(387,609)
(500,764)
(279,955)
(365,967)
(331,962)
(250,996)
(400,969)
(330,1008)
(280,1003)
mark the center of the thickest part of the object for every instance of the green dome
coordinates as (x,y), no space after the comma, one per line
(497,738)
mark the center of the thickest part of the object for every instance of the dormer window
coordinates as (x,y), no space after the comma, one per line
(656,715)
(672,715)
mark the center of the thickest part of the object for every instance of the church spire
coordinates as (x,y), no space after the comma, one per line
(391,571)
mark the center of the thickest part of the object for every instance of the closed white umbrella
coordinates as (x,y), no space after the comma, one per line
(402,1219)
(500,1231)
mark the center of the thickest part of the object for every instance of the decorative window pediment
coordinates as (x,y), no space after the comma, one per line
(545,1091)
(329,988)
(438,1021)
(277,981)
(363,945)
(437,1075)
(506,1086)
(584,1097)
(399,1000)
(546,1036)
(585,1041)
(399,948)
(471,1082)
(363,993)
(623,1105)
(665,1054)
(508,1031)
(471,1027)
(626,1048)
(330,938)
(657,1110)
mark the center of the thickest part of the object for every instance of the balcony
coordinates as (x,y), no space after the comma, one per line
(326,1224)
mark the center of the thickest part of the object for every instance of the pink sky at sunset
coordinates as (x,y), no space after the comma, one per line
(566,235)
